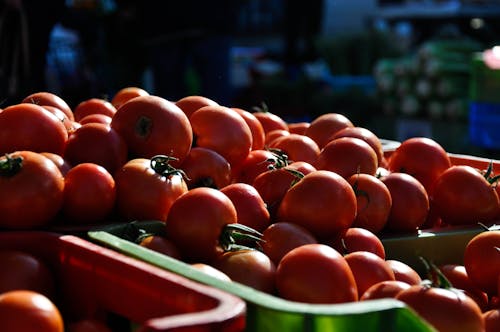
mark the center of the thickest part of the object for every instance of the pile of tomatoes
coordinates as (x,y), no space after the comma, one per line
(291,209)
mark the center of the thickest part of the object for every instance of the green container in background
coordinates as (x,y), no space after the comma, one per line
(485,81)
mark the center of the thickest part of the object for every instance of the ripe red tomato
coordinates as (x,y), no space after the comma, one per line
(151,125)
(270,121)
(347,156)
(384,289)
(322,128)
(161,244)
(404,272)
(421,157)
(326,193)
(297,147)
(31,190)
(59,161)
(258,135)
(492,320)
(99,144)
(446,310)
(298,127)
(252,268)
(358,239)
(147,188)
(410,203)
(212,271)
(364,134)
(93,106)
(192,103)
(68,124)
(257,162)
(89,194)
(315,273)
(96,118)
(463,196)
(206,168)
(43,98)
(281,237)
(195,223)
(275,134)
(24,310)
(31,127)
(127,93)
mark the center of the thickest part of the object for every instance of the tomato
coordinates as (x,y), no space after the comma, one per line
(358,239)
(160,244)
(445,309)
(223,130)
(323,127)
(68,124)
(96,118)
(250,207)
(384,289)
(89,194)
(93,106)
(410,203)
(258,135)
(492,320)
(366,135)
(196,220)
(127,93)
(212,271)
(270,121)
(421,157)
(147,188)
(315,273)
(206,168)
(463,196)
(192,103)
(31,127)
(24,310)
(373,200)
(482,260)
(43,98)
(297,147)
(257,162)
(31,190)
(25,271)
(152,125)
(88,325)
(298,127)
(252,268)
(327,194)
(59,161)
(274,134)
(281,237)
(347,156)
(404,272)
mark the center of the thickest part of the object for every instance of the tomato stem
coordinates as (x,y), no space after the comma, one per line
(233,235)
(10,166)
(435,276)
(161,165)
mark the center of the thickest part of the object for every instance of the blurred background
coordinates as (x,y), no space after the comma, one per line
(401,68)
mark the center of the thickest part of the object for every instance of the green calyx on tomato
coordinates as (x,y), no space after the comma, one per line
(239,237)
(10,166)
(280,160)
(160,164)
(488,175)
(435,278)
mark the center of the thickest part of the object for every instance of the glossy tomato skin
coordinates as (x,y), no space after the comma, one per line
(31,127)
(358,239)
(404,272)
(190,104)
(364,134)
(492,320)
(206,168)
(44,98)
(446,310)
(96,118)
(212,271)
(33,196)
(127,93)
(152,125)
(270,121)
(143,193)
(322,128)
(463,196)
(297,147)
(61,163)
(257,162)
(93,106)
(258,135)
(384,289)
(298,127)
(195,222)
(315,273)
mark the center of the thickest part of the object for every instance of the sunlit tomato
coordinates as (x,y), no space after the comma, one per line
(61,163)
(325,126)
(127,93)
(281,237)
(257,162)
(31,127)
(492,320)
(384,289)
(404,272)
(275,134)
(88,325)
(326,193)
(298,127)
(270,121)
(93,106)
(190,104)
(223,130)
(252,268)
(152,125)
(258,135)
(196,220)
(160,244)
(43,98)
(147,188)
(358,239)
(99,144)
(410,203)
(446,310)
(24,310)
(374,202)
(347,156)
(463,196)
(31,190)
(96,118)
(315,273)
(89,194)
(366,135)
(22,270)
(212,271)
(297,147)
(250,207)
(482,260)
(421,157)
(206,168)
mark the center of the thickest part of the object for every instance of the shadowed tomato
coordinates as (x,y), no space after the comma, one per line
(270,121)
(258,135)
(88,325)
(366,135)
(274,134)
(59,161)
(322,128)
(68,124)
(96,118)
(93,106)
(43,98)
(297,147)
(492,320)
(125,94)
(192,103)
(404,272)
(257,162)
(212,271)
(298,127)
(160,244)
(384,289)
(206,168)
(358,239)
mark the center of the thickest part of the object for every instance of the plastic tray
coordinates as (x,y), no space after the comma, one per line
(92,280)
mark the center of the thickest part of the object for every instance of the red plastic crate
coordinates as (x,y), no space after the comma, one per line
(92,280)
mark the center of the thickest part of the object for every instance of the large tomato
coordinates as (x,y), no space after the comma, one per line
(147,188)
(366,135)
(93,106)
(31,190)
(44,98)
(152,125)
(322,201)
(315,273)
(297,147)
(322,128)
(206,168)
(31,127)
